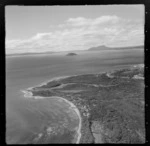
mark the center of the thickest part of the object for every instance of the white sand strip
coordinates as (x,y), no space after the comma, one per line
(29,94)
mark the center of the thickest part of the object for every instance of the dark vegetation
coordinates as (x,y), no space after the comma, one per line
(116,103)
(128,72)
(50,85)
(45,93)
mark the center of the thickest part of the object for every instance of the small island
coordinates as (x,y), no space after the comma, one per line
(110,105)
(71,54)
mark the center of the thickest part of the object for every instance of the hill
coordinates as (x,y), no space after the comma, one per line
(71,54)
(98,48)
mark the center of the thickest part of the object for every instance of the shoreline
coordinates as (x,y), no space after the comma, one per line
(63,77)
(43,83)
(29,94)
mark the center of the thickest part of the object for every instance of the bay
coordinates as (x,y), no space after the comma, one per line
(27,119)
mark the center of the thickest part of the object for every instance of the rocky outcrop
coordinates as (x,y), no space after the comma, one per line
(97,130)
(71,54)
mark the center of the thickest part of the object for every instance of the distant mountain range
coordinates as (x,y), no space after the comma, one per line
(99,48)
(30,53)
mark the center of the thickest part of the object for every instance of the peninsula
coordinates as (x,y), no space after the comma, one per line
(110,105)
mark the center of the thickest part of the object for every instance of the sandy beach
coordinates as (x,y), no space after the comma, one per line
(28,94)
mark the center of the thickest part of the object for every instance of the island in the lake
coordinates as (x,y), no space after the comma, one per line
(71,54)
(110,105)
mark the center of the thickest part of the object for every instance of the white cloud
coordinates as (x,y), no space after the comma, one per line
(80,21)
(82,33)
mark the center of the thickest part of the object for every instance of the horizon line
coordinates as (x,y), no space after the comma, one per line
(51,52)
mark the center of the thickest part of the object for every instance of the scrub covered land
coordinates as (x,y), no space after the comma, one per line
(111,104)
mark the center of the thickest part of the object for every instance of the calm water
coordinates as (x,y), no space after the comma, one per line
(28,118)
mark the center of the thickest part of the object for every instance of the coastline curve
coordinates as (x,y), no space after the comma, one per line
(28,94)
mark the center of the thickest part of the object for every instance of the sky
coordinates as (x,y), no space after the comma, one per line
(64,28)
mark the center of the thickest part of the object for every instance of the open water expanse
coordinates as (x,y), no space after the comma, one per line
(29,119)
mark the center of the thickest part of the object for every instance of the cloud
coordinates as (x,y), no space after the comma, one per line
(80,21)
(82,33)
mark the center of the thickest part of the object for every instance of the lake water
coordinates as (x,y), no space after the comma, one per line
(27,120)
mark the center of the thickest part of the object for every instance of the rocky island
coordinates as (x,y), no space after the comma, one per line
(71,54)
(111,104)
